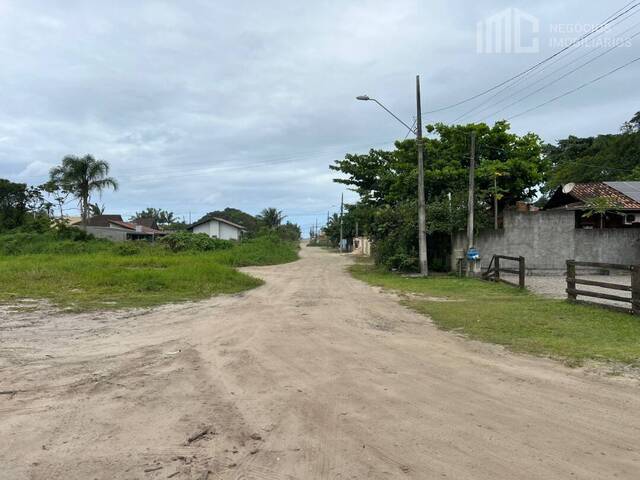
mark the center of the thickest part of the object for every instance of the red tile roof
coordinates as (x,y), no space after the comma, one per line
(588,191)
(137,228)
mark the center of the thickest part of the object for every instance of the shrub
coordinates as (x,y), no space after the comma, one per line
(200,242)
(127,249)
(52,241)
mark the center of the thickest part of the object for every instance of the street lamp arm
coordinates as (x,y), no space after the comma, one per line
(365,97)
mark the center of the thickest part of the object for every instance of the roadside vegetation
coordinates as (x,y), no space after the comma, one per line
(518,320)
(94,274)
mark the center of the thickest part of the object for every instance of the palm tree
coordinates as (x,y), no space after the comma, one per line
(96,210)
(271,217)
(81,176)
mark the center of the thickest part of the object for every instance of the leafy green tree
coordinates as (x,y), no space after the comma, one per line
(161,217)
(289,231)
(236,216)
(59,195)
(596,159)
(508,168)
(23,206)
(600,206)
(82,176)
(271,218)
(13,204)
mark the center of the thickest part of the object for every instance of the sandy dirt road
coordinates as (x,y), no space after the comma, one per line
(312,376)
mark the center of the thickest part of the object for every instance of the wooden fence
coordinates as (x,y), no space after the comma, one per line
(495,268)
(573,292)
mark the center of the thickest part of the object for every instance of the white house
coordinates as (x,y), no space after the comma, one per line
(218,228)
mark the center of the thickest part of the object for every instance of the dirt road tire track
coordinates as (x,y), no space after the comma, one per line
(312,376)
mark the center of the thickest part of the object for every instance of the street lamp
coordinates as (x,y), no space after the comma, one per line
(422,216)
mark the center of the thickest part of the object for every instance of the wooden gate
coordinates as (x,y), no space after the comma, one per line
(496,267)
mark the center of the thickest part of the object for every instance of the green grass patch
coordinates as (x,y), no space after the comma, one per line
(519,320)
(110,279)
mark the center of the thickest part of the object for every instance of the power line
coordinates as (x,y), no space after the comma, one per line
(610,19)
(557,79)
(489,102)
(584,85)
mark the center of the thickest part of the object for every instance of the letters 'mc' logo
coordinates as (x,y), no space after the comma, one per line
(510,31)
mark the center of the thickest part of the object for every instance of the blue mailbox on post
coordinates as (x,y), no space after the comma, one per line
(473,255)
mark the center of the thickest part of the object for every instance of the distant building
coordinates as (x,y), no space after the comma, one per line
(623,196)
(217,228)
(114,228)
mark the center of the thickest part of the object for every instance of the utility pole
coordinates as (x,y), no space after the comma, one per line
(472,187)
(495,201)
(316,231)
(422,214)
(341,211)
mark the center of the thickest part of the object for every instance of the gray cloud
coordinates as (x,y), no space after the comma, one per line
(202,105)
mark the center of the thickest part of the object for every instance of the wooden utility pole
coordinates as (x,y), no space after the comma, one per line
(422,214)
(472,188)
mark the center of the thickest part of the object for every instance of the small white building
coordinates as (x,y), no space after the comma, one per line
(218,228)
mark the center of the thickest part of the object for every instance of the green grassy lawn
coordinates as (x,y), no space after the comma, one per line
(107,280)
(519,320)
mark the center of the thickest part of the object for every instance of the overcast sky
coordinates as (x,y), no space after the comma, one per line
(201,105)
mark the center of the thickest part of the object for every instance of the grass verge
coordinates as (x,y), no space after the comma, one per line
(519,320)
(106,280)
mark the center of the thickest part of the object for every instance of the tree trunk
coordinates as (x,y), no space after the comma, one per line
(85,212)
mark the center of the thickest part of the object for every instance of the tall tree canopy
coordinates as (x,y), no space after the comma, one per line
(162,217)
(82,176)
(387,177)
(234,215)
(596,159)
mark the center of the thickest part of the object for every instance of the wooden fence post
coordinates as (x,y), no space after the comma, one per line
(635,289)
(571,280)
(521,272)
(497,268)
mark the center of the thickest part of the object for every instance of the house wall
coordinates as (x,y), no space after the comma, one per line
(227,232)
(547,239)
(110,233)
(213,228)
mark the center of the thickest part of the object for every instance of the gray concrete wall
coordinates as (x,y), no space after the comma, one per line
(547,239)
(113,234)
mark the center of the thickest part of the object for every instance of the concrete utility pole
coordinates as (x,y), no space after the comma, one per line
(472,188)
(341,211)
(422,214)
(495,201)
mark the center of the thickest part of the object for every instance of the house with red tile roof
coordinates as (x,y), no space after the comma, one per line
(622,197)
(113,227)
